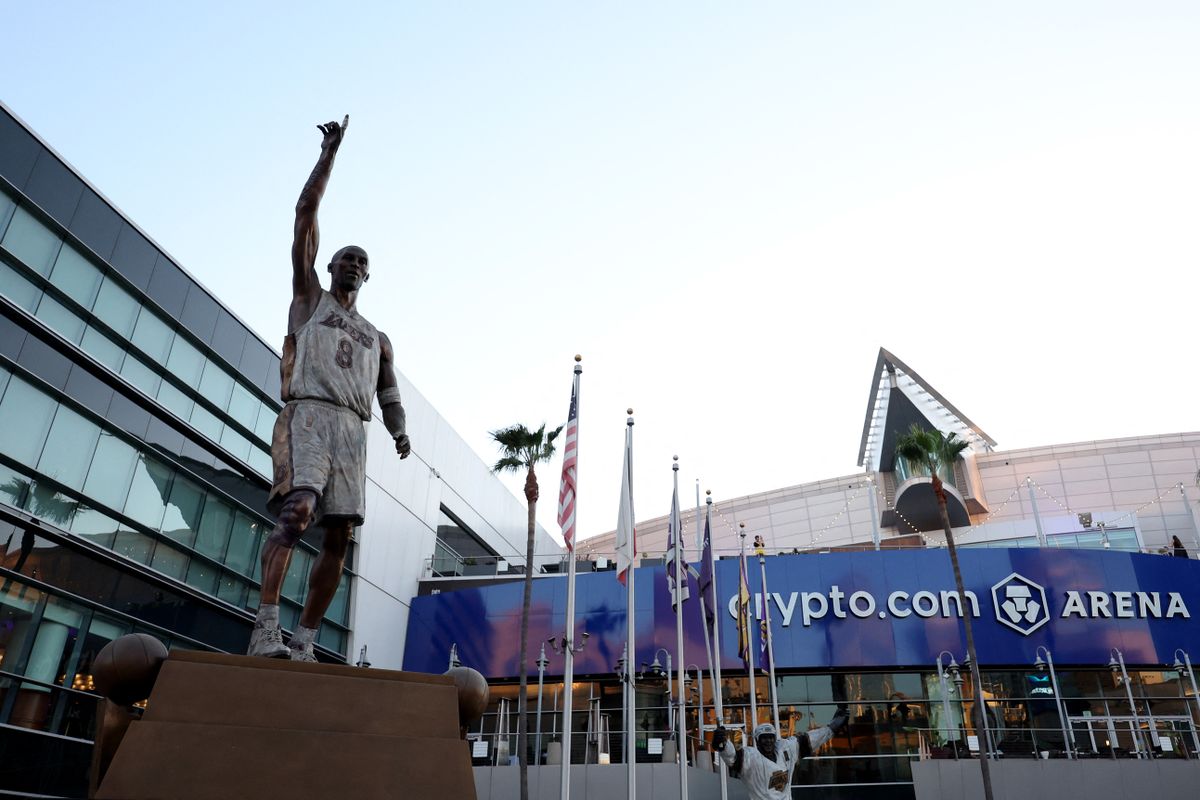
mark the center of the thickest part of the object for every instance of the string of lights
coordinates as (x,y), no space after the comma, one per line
(905,525)
(813,539)
(992,513)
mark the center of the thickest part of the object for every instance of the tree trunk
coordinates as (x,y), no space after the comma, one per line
(976,680)
(531,497)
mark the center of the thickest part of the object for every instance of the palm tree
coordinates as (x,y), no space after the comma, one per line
(522,449)
(938,452)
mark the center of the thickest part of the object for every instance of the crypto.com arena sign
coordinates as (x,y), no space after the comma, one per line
(847,610)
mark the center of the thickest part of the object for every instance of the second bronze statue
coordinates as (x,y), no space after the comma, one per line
(334,364)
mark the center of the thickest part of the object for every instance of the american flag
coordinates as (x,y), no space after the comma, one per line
(566,490)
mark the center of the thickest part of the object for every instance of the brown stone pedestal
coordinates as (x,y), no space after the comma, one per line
(220,726)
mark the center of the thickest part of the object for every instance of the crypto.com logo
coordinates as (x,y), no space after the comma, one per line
(1020,604)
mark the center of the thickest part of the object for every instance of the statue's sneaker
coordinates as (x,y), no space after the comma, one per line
(302,652)
(267,642)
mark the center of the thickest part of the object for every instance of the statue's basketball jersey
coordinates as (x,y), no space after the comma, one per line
(333,357)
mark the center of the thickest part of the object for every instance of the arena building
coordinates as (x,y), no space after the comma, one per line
(1068,559)
(135,418)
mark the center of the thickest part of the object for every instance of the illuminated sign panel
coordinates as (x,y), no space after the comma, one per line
(850,610)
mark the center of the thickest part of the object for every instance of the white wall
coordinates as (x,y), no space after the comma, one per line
(1138,474)
(1133,481)
(403,501)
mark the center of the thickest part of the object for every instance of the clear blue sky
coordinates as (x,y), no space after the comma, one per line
(727,208)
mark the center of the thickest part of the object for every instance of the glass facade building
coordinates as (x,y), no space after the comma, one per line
(136,414)
(135,423)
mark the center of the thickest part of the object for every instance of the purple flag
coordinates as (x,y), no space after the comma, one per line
(706,577)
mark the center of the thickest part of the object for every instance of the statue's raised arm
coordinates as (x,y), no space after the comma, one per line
(306,286)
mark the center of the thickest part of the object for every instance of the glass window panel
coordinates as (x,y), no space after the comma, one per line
(339,608)
(243,406)
(243,543)
(31,241)
(153,335)
(102,348)
(332,638)
(60,320)
(140,375)
(76,276)
(148,492)
(100,632)
(52,647)
(232,589)
(202,576)
(52,505)
(216,385)
(235,443)
(260,460)
(133,545)
(288,616)
(169,561)
(4,376)
(294,582)
(182,519)
(266,422)
(112,468)
(14,286)
(62,611)
(94,526)
(214,527)
(6,209)
(14,487)
(116,307)
(206,422)
(175,401)
(186,362)
(69,448)
(27,414)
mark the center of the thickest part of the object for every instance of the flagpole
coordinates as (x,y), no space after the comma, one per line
(762,568)
(630,628)
(680,582)
(716,643)
(699,677)
(568,678)
(564,790)
(749,660)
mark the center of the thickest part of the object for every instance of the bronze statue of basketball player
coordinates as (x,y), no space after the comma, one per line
(334,364)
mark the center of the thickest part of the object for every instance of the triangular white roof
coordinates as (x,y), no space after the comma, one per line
(899,396)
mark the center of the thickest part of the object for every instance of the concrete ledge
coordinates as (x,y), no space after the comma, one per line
(1034,779)
(602,782)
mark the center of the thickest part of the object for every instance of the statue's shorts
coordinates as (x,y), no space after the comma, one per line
(321,447)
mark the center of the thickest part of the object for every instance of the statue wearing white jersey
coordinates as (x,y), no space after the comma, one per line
(766,767)
(334,364)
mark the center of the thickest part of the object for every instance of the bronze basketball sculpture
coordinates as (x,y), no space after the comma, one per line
(125,669)
(473,695)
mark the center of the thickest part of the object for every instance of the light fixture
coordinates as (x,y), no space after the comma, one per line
(945,674)
(1116,663)
(1184,669)
(1040,665)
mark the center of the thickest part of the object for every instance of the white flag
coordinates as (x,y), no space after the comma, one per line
(626,535)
